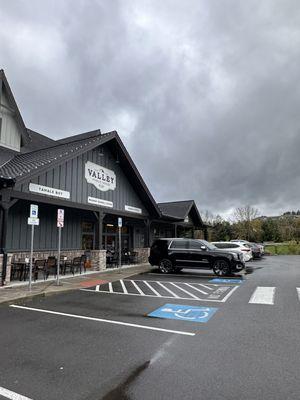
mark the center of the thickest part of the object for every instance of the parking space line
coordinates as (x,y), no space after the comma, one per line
(97,288)
(138,288)
(110,288)
(263,295)
(151,288)
(205,287)
(168,290)
(108,321)
(198,290)
(12,395)
(123,287)
(162,297)
(298,291)
(190,294)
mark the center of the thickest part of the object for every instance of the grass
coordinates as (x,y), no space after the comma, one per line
(289,248)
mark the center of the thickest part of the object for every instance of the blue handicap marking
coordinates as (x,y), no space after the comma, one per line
(184,313)
(223,280)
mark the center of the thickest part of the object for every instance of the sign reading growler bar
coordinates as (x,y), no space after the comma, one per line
(104,179)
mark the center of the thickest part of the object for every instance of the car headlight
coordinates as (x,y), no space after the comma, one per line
(235,256)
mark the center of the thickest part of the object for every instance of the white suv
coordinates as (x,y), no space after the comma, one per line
(237,247)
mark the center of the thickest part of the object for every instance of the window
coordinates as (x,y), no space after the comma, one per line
(194,245)
(179,244)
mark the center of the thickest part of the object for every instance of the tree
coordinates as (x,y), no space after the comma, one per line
(246,224)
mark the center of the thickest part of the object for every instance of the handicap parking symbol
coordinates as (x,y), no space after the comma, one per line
(184,313)
(224,280)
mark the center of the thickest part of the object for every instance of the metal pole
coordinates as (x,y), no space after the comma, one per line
(58,256)
(31,257)
(120,259)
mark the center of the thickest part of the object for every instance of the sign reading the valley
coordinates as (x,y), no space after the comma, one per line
(104,179)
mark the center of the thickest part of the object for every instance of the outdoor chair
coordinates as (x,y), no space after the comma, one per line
(50,266)
(79,264)
(39,266)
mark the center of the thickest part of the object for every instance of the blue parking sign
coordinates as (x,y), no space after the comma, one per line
(184,313)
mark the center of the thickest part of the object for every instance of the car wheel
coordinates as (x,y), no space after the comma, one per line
(166,266)
(221,268)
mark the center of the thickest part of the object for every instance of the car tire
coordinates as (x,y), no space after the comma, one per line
(221,268)
(166,266)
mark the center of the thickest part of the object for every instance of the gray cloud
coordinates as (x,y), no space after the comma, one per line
(204,94)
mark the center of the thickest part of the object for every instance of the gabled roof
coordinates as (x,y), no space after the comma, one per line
(37,142)
(4,85)
(25,166)
(181,210)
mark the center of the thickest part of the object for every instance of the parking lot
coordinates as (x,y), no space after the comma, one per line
(150,336)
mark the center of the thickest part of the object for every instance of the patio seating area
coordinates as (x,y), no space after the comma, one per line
(43,268)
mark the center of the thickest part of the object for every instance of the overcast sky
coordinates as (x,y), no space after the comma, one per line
(204,94)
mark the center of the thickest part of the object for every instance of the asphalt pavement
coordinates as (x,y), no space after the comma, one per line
(232,339)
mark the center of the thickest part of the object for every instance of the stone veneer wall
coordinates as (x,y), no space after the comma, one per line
(98,258)
(143,254)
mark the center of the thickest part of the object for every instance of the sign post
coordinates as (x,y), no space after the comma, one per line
(32,220)
(60,224)
(120,223)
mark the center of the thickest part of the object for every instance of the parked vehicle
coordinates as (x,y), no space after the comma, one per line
(255,248)
(236,247)
(173,254)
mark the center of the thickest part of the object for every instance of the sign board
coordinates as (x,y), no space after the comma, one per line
(184,313)
(120,222)
(60,218)
(49,191)
(33,221)
(34,211)
(100,202)
(102,178)
(133,209)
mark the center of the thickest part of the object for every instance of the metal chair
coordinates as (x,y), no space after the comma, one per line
(50,265)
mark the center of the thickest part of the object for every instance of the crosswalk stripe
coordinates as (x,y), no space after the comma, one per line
(190,294)
(138,288)
(298,291)
(198,290)
(153,290)
(168,290)
(263,295)
(123,286)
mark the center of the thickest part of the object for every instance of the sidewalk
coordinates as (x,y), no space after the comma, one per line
(11,294)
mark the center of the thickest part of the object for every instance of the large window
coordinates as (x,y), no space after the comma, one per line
(179,244)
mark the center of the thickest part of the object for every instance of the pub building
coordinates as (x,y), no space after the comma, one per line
(93,178)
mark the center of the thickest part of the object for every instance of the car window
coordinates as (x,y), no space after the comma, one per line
(195,245)
(179,244)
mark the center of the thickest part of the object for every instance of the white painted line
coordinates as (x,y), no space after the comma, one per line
(168,290)
(123,286)
(205,287)
(298,291)
(138,288)
(153,296)
(229,294)
(198,290)
(97,288)
(110,287)
(190,294)
(12,395)
(263,295)
(108,321)
(153,290)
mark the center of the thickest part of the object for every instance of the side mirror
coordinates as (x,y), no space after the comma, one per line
(203,248)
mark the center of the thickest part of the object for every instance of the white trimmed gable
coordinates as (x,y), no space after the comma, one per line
(10,135)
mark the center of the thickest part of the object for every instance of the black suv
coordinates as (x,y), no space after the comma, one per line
(174,254)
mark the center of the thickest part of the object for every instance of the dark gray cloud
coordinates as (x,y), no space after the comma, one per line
(204,94)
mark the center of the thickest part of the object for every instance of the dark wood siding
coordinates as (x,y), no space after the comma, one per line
(70,176)
(19,233)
